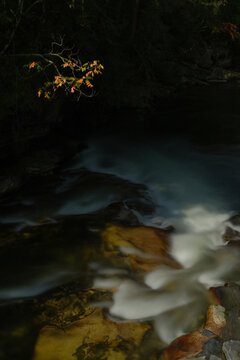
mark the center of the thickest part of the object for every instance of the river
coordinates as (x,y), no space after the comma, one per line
(171,181)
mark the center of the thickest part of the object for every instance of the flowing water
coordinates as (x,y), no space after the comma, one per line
(194,188)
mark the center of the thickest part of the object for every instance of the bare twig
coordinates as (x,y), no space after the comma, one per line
(18,15)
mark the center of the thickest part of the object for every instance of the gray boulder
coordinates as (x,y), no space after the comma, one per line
(231,350)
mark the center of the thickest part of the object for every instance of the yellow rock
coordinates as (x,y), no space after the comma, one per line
(92,337)
(145,247)
(65,306)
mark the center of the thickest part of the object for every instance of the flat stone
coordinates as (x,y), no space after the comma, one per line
(231,350)
(91,337)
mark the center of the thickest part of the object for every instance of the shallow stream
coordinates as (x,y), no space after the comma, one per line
(50,231)
(174,182)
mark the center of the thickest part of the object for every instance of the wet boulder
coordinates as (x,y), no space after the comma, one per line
(219,336)
(90,338)
(231,234)
(229,297)
(140,248)
(193,344)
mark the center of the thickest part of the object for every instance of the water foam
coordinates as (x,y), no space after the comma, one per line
(195,192)
(167,293)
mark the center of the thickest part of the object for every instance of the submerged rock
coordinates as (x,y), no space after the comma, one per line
(93,337)
(75,329)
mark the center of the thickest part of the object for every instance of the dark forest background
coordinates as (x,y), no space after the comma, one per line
(151,50)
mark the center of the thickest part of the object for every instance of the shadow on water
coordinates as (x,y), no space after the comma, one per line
(18,332)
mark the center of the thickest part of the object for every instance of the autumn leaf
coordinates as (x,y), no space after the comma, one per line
(89,84)
(47,95)
(32,65)
(80,75)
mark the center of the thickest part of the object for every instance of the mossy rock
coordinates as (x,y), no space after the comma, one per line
(91,337)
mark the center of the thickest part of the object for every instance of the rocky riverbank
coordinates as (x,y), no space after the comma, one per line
(71,322)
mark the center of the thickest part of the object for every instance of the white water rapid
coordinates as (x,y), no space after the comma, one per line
(193,190)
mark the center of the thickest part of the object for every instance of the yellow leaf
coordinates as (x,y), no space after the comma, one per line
(89,84)
(47,95)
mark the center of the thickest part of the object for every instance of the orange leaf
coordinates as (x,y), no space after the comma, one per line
(32,65)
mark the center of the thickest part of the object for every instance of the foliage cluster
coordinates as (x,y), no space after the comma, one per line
(72,77)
